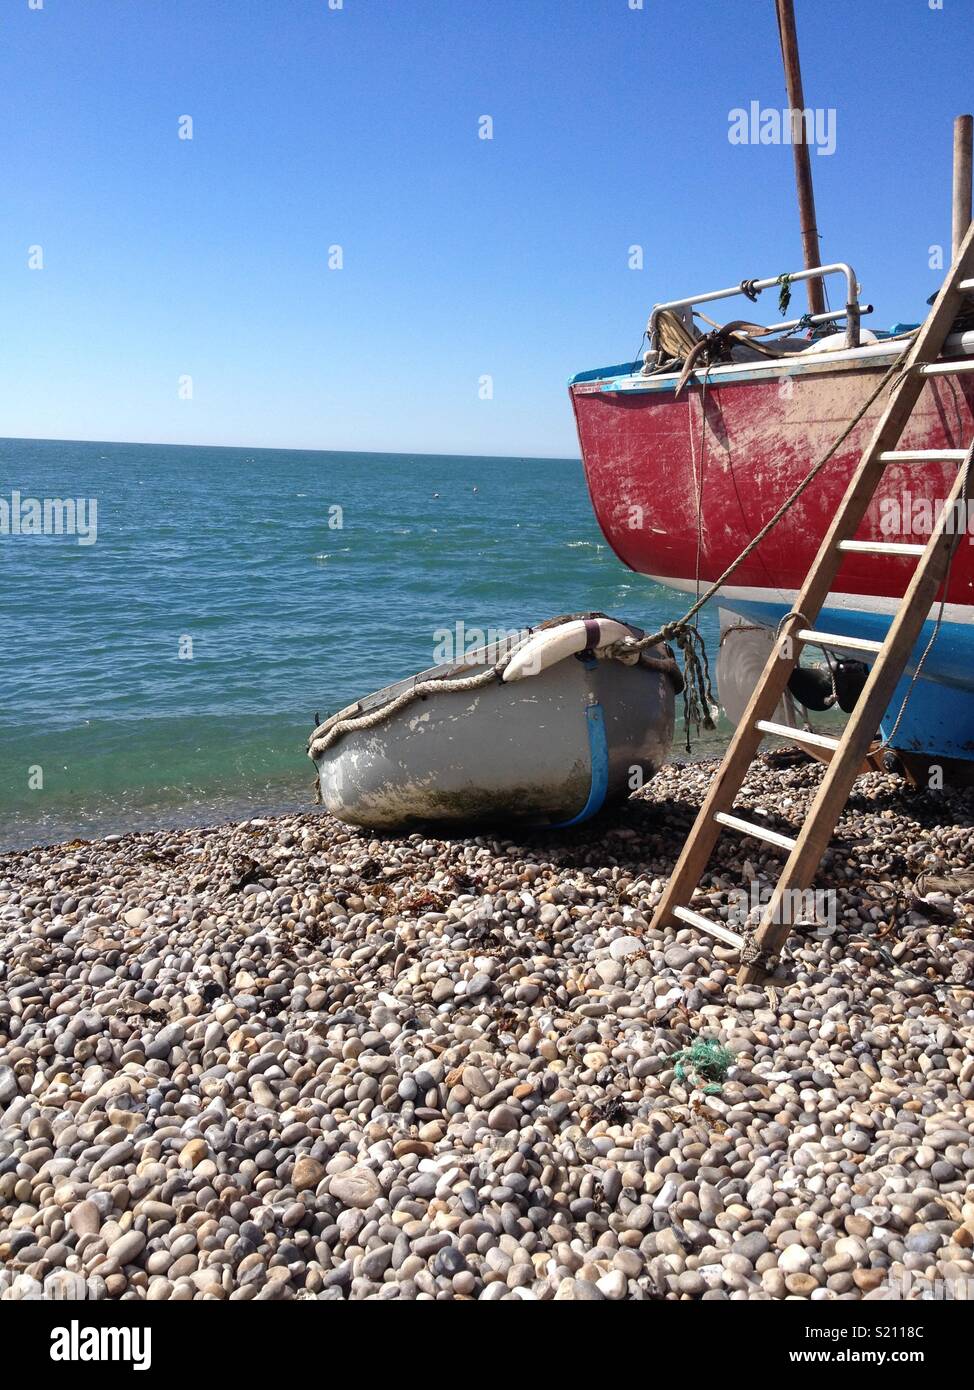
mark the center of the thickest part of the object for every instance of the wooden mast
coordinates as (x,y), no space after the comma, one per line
(961,211)
(803,166)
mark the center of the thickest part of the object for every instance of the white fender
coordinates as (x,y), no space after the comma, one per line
(836,342)
(544,649)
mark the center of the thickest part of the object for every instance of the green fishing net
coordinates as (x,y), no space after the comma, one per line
(704,1064)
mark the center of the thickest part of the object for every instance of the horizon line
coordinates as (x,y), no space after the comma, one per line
(286,449)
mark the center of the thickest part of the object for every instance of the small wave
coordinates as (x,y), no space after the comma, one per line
(584,545)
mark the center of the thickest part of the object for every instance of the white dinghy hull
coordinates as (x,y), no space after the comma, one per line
(549,746)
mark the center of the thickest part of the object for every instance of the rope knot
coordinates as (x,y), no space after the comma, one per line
(698,695)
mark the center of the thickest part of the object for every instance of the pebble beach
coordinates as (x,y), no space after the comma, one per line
(281,1059)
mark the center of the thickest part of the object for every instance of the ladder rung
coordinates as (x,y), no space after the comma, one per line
(798,735)
(747,827)
(946,368)
(696,919)
(882,547)
(920,455)
(832,639)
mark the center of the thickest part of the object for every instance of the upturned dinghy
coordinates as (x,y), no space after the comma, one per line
(546,729)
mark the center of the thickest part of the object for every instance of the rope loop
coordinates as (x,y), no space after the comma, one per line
(795,613)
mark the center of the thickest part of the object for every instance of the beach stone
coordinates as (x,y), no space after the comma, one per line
(307,1173)
(611,1185)
(575,1290)
(629,1261)
(504,1118)
(127,1248)
(751,1246)
(478,984)
(624,946)
(475,1081)
(613,1285)
(800,1285)
(677,957)
(858,1225)
(795,1259)
(376,1262)
(193,1153)
(85,1219)
(610,971)
(358,1187)
(774,1283)
(165,1040)
(923,1242)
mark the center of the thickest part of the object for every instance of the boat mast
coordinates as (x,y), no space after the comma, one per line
(961,219)
(799,147)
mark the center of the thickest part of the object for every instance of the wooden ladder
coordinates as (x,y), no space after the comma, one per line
(761,943)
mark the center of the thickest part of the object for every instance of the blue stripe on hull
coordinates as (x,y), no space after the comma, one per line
(939,718)
(598,747)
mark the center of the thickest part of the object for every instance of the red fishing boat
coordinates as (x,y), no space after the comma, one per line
(682,482)
(689,452)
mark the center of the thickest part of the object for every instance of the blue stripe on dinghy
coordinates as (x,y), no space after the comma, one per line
(598,747)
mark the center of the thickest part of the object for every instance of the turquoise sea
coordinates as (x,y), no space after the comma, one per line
(170,671)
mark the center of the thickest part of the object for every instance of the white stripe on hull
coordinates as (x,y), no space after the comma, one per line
(850,603)
(872,355)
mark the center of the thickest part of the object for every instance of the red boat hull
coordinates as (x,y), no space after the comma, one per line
(681,485)
(731,453)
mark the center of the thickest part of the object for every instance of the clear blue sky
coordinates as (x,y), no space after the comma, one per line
(463,257)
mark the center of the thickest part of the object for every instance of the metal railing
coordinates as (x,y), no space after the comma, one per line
(751,288)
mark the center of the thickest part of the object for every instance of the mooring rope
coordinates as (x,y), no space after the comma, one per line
(326,734)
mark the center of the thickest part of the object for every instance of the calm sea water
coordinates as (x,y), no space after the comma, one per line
(106,720)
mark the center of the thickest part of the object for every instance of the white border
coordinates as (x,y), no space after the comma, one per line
(849,603)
